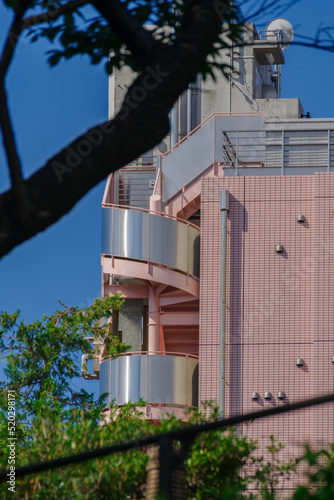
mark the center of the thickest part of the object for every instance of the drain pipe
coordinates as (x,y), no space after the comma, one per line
(189,92)
(224,206)
(174,124)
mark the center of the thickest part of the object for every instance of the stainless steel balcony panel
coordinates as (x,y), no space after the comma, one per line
(161,378)
(128,378)
(157,379)
(173,243)
(124,233)
(143,236)
(132,241)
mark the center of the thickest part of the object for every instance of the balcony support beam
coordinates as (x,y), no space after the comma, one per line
(181,318)
(127,291)
(136,269)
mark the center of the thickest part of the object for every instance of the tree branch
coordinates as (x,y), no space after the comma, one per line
(12,38)
(19,189)
(194,40)
(14,164)
(141,123)
(20,194)
(138,40)
(53,14)
(20,24)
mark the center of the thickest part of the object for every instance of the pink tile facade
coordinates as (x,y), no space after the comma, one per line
(280,307)
(323,311)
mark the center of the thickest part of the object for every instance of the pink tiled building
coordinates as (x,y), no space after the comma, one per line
(221,240)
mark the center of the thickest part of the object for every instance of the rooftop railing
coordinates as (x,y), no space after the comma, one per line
(244,143)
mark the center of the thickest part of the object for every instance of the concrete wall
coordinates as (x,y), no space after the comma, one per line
(280,108)
(242,91)
(130,323)
(119,82)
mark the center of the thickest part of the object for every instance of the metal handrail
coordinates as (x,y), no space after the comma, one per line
(133,167)
(159,353)
(150,212)
(211,117)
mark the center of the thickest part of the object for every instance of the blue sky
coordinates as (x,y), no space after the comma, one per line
(50,107)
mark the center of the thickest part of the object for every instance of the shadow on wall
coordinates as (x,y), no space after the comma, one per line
(239,215)
(195,387)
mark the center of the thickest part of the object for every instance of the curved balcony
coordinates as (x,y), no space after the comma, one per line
(160,239)
(165,379)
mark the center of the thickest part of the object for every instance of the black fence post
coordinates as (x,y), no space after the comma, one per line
(166,467)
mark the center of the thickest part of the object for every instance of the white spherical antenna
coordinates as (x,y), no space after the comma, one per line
(281,30)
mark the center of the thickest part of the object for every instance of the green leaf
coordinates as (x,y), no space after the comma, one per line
(110,67)
(55,58)
(69,19)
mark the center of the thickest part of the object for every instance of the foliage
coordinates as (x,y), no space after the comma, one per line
(41,357)
(215,461)
(53,420)
(76,33)
(217,464)
(185,42)
(320,475)
(119,476)
(71,431)
(268,476)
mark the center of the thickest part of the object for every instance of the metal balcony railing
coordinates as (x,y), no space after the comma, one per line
(243,143)
(134,184)
(155,377)
(156,238)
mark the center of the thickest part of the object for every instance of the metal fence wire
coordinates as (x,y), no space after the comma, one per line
(167,461)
